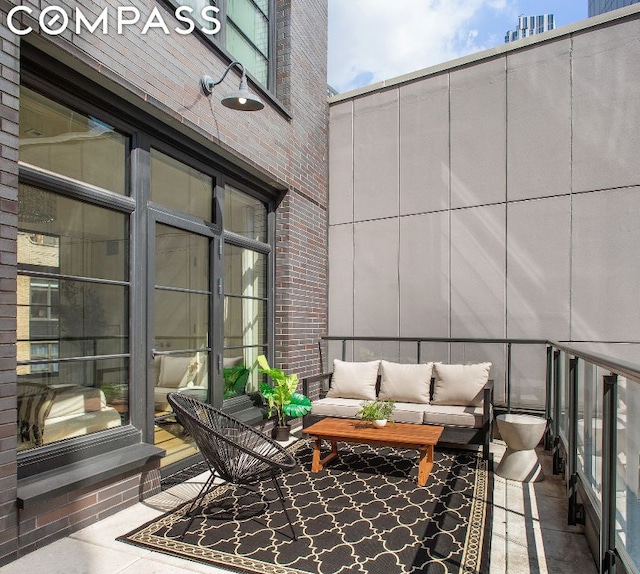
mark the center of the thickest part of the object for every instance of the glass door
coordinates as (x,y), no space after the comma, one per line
(181,355)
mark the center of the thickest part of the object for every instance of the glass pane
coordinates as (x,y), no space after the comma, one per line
(61,140)
(628,479)
(182,320)
(244,322)
(589,435)
(244,215)
(180,187)
(79,319)
(59,401)
(263,5)
(182,259)
(185,373)
(197,6)
(244,272)
(237,372)
(252,59)
(76,239)
(252,22)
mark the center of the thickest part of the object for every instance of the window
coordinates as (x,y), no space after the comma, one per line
(180,187)
(73,280)
(59,139)
(245,291)
(247,29)
(247,35)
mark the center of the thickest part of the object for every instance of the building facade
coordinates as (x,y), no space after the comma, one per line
(450,223)
(601,6)
(530,25)
(152,240)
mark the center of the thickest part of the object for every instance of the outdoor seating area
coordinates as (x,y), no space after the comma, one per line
(457,397)
(525,524)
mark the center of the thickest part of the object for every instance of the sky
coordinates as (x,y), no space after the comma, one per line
(374,40)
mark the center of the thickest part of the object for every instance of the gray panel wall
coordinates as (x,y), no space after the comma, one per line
(496,199)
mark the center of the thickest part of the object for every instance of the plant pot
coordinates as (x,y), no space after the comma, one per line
(281,433)
(379,423)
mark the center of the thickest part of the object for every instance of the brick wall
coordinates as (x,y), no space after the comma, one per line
(301,244)
(9,85)
(75,510)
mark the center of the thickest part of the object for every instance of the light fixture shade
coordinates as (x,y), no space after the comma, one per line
(243,99)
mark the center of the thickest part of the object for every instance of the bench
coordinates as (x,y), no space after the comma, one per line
(457,397)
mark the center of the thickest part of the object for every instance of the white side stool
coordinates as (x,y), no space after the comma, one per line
(522,433)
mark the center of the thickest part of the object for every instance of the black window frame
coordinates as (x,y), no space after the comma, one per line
(49,77)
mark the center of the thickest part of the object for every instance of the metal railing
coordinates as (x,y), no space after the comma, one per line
(591,403)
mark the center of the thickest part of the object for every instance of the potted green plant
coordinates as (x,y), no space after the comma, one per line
(282,398)
(378,411)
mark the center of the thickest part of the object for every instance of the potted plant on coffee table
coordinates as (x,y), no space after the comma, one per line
(377,411)
(282,398)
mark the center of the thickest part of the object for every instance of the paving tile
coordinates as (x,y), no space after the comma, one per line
(71,556)
(105,532)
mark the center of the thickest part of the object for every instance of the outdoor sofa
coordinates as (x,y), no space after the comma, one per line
(457,397)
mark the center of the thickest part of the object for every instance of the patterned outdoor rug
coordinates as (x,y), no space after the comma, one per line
(363,513)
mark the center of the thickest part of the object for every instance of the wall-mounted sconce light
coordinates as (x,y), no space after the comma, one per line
(242,99)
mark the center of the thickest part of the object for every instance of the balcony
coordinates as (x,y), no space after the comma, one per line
(582,517)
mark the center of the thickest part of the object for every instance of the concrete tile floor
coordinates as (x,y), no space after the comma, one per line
(530,535)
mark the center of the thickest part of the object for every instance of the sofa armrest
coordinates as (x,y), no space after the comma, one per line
(308,385)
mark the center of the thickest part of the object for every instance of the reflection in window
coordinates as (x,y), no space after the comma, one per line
(67,142)
(182,302)
(244,215)
(181,187)
(72,303)
(247,30)
(245,317)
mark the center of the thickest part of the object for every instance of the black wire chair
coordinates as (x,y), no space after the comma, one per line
(233,450)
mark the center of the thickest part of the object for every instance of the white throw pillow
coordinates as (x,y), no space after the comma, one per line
(354,380)
(460,384)
(174,371)
(405,383)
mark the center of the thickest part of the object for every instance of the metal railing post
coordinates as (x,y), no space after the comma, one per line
(572,455)
(548,396)
(508,377)
(557,399)
(609,475)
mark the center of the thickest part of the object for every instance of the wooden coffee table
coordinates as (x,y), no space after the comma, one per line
(401,435)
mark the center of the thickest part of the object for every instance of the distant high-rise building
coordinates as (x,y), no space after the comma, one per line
(600,6)
(530,25)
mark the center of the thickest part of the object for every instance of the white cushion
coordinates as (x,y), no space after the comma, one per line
(406,383)
(450,415)
(336,407)
(460,384)
(354,380)
(174,371)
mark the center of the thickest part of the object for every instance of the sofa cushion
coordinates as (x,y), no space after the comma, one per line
(336,407)
(174,371)
(452,415)
(407,383)
(460,384)
(410,412)
(354,380)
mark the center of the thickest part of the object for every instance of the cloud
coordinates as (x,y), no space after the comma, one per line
(379,39)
